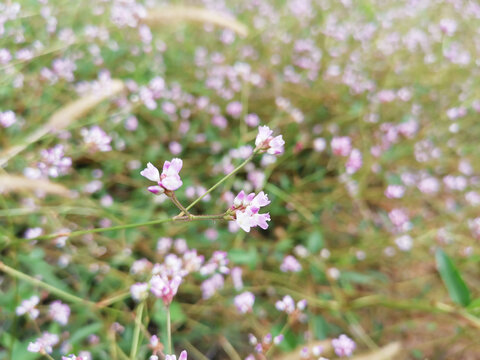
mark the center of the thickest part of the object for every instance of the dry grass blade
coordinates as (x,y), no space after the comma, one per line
(388,352)
(295,354)
(14,183)
(64,117)
(186,13)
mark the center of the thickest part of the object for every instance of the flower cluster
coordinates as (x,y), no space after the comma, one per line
(168,180)
(266,142)
(246,209)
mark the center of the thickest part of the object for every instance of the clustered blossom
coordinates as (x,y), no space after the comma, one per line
(54,162)
(266,142)
(7,118)
(96,139)
(244,302)
(44,344)
(287,305)
(263,346)
(28,307)
(290,264)
(343,346)
(164,287)
(246,210)
(183,356)
(169,179)
(59,312)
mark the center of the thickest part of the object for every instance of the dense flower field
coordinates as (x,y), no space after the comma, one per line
(258,179)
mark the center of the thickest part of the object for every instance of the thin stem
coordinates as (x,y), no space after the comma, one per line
(60,293)
(222,180)
(169,330)
(136,330)
(179,205)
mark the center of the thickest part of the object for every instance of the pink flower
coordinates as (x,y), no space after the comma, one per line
(96,139)
(290,264)
(394,191)
(343,346)
(164,288)
(59,312)
(246,209)
(354,162)
(266,142)
(341,146)
(244,302)
(28,307)
(183,356)
(168,180)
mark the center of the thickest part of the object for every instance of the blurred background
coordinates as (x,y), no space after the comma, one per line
(376,197)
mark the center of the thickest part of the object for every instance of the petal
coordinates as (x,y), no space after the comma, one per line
(174,167)
(151,173)
(172,182)
(157,190)
(183,355)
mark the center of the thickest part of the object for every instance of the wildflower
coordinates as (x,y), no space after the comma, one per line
(59,312)
(341,146)
(212,285)
(28,307)
(96,139)
(343,345)
(244,302)
(54,162)
(236,274)
(266,142)
(168,180)
(354,162)
(394,191)
(44,344)
(246,208)
(139,291)
(404,242)
(183,356)
(290,264)
(287,305)
(164,288)
(7,118)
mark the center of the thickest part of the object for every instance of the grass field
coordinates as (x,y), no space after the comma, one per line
(256,179)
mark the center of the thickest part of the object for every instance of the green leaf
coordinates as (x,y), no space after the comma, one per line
(315,241)
(457,288)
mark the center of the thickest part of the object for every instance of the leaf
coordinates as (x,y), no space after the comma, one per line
(457,288)
(315,241)
(189,13)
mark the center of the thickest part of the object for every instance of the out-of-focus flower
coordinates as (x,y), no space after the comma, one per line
(164,288)
(59,312)
(341,146)
(244,302)
(44,344)
(139,291)
(7,118)
(343,345)
(183,356)
(290,264)
(28,307)
(96,139)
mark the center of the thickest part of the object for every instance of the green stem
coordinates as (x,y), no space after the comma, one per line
(179,205)
(169,330)
(222,180)
(60,293)
(136,330)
